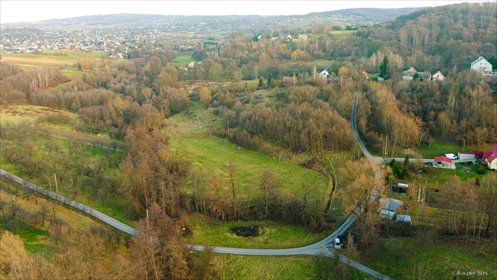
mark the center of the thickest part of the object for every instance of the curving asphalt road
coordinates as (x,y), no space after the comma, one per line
(323,247)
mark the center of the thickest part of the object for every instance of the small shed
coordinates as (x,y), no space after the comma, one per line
(400,187)
(466,155)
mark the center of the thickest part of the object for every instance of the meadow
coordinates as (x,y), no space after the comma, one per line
(181,60)
(401,258)
(209,231)
(190,139)
(291,268)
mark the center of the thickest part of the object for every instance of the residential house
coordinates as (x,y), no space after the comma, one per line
(324,74)
(423,76)
(444,162)
(192,64)
(481,65)
(408,75)
(438,76)
(490,157)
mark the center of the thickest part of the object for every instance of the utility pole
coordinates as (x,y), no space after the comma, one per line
(146,214)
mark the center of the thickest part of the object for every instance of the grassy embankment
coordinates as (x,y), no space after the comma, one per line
(36,238)
(98,147)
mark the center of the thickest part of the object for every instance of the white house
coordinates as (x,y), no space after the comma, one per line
(409,74)
(481,65)
(438,76)
(490,157)
(324,74)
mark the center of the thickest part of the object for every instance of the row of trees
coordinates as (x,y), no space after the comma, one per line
(471,208)
(19,87)
(387,128)
(461,106)
(211,195)
(157,252)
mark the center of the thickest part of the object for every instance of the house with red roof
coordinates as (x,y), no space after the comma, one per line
(490,157)
(444,162)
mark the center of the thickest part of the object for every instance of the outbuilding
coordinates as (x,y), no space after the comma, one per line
(404,219)
(400,187)
(444,162)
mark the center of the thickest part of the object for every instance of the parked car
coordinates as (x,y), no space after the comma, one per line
(340,242)
(452,156)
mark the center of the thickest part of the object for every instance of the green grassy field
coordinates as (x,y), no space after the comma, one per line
(183,59)
(35,239)
(440,147)
(212,232)
(73,73)
(191,140)
(426,258)
(288,268)
(439,176)
(323,62)
(99,147)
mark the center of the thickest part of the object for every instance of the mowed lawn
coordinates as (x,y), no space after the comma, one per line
(424,258)
(212,154)
(183,59)
(209,231)
(441,147)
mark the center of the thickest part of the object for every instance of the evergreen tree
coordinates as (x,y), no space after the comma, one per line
(384,68)
(269,79)
(261,84)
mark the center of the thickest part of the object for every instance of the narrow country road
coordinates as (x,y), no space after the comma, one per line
(323,247)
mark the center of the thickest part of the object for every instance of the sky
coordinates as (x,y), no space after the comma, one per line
(27,11)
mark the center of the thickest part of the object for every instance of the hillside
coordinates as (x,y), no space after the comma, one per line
(434,38)
(245,23)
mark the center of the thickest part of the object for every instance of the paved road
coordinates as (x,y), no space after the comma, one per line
(320,248)
(77,205)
